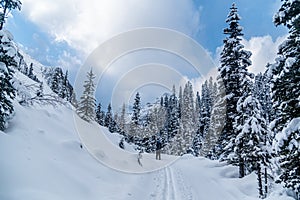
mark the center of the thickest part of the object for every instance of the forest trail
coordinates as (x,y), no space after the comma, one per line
(209,181)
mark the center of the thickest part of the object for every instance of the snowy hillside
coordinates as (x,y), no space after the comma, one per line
(42,158)
(236,138)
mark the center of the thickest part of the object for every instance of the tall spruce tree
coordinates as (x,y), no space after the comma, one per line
(262,91)
(136,109)
(251,141)
(285,94)
(188,128)
(234,62)
(122,121)
(86,106)
(100,115)
(108,117)
(7,91)
(205,109)
(197,140)
(208,123)
(172,119)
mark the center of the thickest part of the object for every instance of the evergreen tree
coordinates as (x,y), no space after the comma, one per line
(56,80)
(40,91)
(285,94)
(197,107)
(187,118)
(122,121)
(172,119)
(197,143)
(108,117)
(7,91)
(113,128)
(262,92)
(205,109)
(99,115)
(136,109)
(63,91)
(30,72)
(86,107)
(234,63)
(212,145)
(208,137)
(251,142)
(6,7)
(179,102)
(73,99)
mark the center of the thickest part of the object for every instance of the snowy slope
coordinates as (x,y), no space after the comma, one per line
(41,158)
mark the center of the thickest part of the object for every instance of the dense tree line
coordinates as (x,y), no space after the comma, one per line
(251,121)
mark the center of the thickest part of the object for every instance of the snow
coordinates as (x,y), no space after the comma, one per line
(6,36)
(3,67)
(49,153)
(293,126)
(41,158)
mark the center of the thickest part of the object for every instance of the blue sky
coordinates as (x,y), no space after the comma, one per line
(64,33)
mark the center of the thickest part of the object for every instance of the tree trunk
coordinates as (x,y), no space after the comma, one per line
(241,161)
(259,179)
(3,17)
(266,182)
(241,167)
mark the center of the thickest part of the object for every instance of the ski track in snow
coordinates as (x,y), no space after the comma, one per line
(170,185)
(183,187)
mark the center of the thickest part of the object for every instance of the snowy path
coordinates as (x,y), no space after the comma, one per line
(203,180)
(170,185)
(47,162)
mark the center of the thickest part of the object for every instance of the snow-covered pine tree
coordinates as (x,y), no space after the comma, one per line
(6,7)
(251,142)
(212,87)
(63,91)
(197,107)
(172,119)
(136,109)
(30,72)
(99,117)
(179,102)
(7,91)
(108,116)
(285,94)
(113,127)
(122,121)
(205,109)
(40,91)
(172,123)
(55,81)
(135,124)
(234,61)
(187,117)
(86,106)
(197,143)
(73,99)
(262,92)
(213,141)
(197,140)
(208,135)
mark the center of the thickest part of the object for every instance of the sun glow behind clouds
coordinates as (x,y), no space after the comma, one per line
(85,24)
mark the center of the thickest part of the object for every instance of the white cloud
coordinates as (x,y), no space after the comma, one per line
(85,24)
(264,50)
